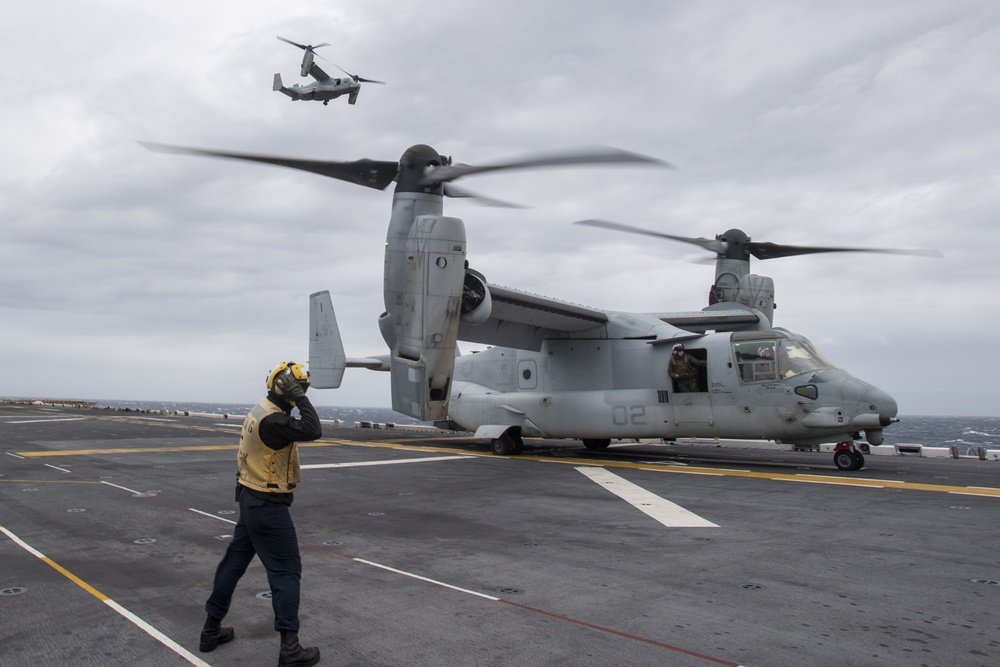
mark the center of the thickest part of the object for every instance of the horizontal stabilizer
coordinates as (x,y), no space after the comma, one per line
(379,363)
(280,87)
(326,350)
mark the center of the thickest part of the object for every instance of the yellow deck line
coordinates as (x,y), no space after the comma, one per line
(149,450)
(143,625)
(654,467)
(691,470)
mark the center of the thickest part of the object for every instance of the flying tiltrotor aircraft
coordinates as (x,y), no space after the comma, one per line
(561,370)
(325,87)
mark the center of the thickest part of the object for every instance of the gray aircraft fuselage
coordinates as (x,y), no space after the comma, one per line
(596,388)
(327,90)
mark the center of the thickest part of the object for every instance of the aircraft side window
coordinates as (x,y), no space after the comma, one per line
(756,361)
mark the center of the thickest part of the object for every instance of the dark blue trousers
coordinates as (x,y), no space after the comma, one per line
(265,529)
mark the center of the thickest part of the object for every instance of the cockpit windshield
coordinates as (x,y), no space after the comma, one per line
(767,360)
(799,356)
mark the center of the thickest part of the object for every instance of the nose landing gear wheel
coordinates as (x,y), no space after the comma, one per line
(848,459)
(508,443)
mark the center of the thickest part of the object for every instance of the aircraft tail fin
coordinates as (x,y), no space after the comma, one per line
(326,349)
(280,87)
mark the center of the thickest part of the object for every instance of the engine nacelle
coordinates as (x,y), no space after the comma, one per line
(477,305)
(757,292)
(750,290)
(307,61)
(424,318)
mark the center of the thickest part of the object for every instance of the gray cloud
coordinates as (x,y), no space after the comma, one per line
(126,274)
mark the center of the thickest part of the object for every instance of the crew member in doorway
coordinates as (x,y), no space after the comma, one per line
(683,370)
(268,472)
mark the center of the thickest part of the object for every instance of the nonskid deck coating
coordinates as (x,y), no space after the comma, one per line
(470,559)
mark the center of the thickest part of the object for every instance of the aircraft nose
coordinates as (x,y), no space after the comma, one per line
(879,402)
(871,407)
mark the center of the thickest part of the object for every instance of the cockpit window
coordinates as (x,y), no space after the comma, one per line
(756,361)
(769,360)
(799,356)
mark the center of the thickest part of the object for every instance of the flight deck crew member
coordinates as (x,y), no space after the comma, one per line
(682,368)
(268,472)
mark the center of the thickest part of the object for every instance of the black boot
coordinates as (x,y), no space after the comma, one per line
(293,655)
(212,635)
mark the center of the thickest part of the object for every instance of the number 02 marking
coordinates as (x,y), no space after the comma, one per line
(623,415)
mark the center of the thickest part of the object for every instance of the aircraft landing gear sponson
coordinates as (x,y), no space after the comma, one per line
(597,444)
(846,457)
(508,443)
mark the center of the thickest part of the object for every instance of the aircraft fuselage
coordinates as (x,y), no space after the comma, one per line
(325,90)
(600,388)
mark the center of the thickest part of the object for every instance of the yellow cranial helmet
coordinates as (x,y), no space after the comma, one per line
(297,371)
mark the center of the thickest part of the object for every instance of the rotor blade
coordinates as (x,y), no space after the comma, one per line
(301,46)
(356,77)
(600,155)
(713,245)
(304,47)
(767,250)
(375,174)
(451,190)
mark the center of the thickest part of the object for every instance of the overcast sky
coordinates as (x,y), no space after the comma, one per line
(130,275)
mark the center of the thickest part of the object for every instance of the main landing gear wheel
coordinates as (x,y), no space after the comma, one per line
(508,443)
(848,459)
(597,444)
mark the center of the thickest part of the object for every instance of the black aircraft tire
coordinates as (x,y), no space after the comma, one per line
(845,459)
(597,444)
(501,446)
(860,461)
(507,444)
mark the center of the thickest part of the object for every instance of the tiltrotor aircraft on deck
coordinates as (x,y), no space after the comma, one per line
(325,87)
(561,370)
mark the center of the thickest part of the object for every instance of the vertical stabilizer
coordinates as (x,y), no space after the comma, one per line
(326,350)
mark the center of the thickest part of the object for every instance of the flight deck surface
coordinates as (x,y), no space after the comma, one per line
(426,550)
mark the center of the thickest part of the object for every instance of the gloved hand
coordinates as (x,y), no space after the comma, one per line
(289,388)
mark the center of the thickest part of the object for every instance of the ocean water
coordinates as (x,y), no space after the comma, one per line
(923,430)
(349,415)
(945,431)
